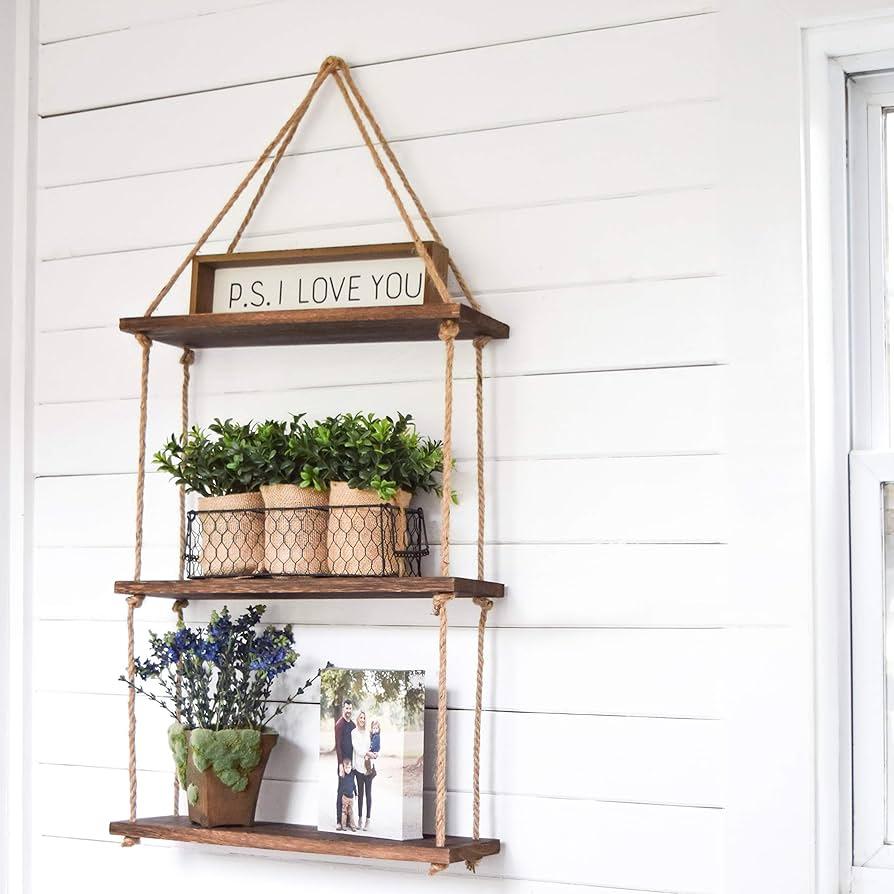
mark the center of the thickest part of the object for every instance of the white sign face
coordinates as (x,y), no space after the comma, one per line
(382,282)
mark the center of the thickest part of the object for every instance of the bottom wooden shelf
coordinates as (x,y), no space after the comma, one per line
(307,840)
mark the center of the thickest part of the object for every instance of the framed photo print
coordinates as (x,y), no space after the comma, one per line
(371,752)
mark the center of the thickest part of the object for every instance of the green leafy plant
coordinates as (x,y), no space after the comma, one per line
(225,459)
(380,454)
(366,451)
(287,453)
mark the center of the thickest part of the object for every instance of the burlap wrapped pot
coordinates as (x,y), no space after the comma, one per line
(362,536)
(232,534)
(295,521)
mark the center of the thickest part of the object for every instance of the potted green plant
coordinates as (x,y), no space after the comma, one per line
(216,683)
(223,466)
(373,462)
(295,496)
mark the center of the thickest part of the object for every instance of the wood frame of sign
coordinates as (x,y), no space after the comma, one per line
(278,291)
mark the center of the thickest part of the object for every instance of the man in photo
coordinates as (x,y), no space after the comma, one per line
(344,751)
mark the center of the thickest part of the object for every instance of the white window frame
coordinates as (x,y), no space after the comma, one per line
(867,98)
(871,466)
(850,852)
(869,471)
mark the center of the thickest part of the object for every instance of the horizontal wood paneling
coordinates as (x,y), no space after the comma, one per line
(549,585)
(138,869)
(575,160)
(413,99)
(281,40)
(63,20)
(675,498)
(664,673)
(608,327)
(523,250)
(637,412)
(570,158)
(633,759)
(685,840)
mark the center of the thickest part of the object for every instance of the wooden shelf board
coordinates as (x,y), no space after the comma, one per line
(314,327)
(311,588)
(307,840)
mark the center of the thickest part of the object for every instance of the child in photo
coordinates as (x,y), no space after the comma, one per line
(347,789)
(375,745)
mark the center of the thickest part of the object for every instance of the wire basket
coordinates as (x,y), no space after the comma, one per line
(317,541)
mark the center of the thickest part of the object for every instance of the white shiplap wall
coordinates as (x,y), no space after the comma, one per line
(569,154)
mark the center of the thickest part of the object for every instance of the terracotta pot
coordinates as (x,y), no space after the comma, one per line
(295,541)
(232,534)
(216,804)
(362,536)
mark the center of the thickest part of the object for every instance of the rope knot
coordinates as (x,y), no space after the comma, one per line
(333,62)
(435,868)
(129,842)
(439,600)
(143,341)
(483,603)
(187,358)
(178,606)
(448,330)
(481,341)
(135,600)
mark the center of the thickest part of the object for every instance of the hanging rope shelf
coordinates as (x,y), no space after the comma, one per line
(446,321)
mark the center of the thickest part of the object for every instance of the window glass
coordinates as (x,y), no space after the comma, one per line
(888,634)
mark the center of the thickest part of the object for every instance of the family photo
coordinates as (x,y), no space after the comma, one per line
(371,752)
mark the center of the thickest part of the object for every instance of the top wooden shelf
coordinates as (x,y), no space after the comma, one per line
(314,327)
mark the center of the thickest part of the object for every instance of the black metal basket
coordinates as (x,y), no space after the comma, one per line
(317,541)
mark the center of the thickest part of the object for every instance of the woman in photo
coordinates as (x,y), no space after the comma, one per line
(364,768)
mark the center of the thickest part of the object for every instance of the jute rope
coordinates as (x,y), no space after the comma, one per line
(439,607)
(134,602)
(345,72)
(447,333)
(187,358)
(421,250)
(482,602)
(177,608)
(325,69)
(280,152)
(479,344)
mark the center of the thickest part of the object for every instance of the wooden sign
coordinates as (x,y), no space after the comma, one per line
(358,276)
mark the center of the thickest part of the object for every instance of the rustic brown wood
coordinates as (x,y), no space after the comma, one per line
(203,266)
(308,840)
(217,804)
(201,295)
(311,588)
(314,327)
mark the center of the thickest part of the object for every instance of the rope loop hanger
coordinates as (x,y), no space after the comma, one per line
(368,128)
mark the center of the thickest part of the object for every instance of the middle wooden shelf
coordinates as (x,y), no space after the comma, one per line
(298,587)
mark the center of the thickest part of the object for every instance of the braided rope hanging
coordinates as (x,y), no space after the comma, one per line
(365,121)
(187,359)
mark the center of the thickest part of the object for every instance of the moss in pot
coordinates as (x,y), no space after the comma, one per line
(373,461)
(220,738)
(223,467)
